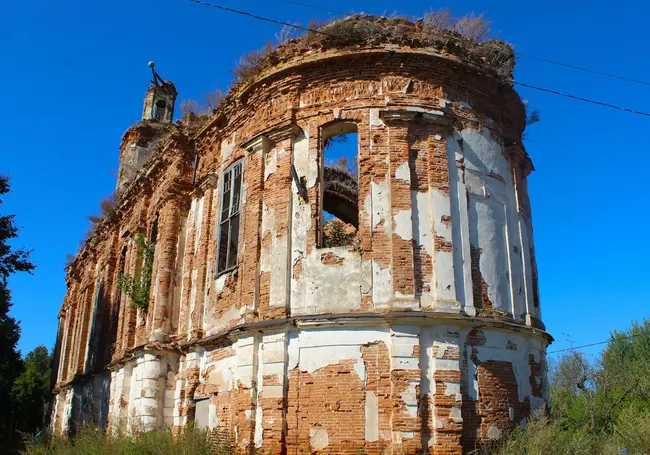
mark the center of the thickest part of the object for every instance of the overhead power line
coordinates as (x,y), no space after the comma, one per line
(306,29)
(261,18)
(586,100)
(520,54)
(322,8)
(587,70)
(575,348)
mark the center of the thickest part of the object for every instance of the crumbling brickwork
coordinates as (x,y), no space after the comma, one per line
(423,335)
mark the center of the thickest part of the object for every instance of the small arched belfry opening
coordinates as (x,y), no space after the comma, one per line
(160,110)
(339,188)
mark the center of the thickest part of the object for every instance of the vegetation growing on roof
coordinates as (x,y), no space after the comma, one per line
(211,101)
(467,37)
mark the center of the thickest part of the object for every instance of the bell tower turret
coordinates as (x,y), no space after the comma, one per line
(160,99)
(138,143)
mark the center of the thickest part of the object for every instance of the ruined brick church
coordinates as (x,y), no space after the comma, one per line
(211,293)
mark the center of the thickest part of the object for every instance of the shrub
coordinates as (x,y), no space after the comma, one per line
(138,286)
(541,437)
(632,430)
(338,233)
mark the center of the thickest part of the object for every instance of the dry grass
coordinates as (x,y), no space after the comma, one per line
(189,106)
(211,101)
(92,441)
(469,37)
(250,64)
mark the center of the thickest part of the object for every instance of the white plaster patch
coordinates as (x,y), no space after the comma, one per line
(445,282)
(382,283)
(313,359)
(487,221)
(324,290)
(243,366)
(318,438)
(403,172)
(441,208)
(199,222)
(304,166)
(213,325)
(409,396)
(372,417)
(214,420)
(400,436)
(268,219)
(493,432)
(403,224)
(227,148)
(484,154)
(222,374)
(293,351)
(452,388)
(270,165)
(444,364)
(259,432)
(456,414)
(422,221)
(380,203)
(220,283)
(278,291)
(375,120)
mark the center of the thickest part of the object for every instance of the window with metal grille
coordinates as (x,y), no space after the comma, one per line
(230,216)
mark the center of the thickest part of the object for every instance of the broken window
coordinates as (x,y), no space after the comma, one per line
(339,190)
(159,110)
(230,216)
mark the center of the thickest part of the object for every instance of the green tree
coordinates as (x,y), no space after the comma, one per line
(574,388)
(625,375)
(31,391)
(11,260)
(607,399)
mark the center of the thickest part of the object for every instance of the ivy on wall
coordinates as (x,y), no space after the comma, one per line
(138,286)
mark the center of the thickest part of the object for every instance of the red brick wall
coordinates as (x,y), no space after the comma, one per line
(422,96)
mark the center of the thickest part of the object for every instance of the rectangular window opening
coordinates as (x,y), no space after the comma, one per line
(230,218)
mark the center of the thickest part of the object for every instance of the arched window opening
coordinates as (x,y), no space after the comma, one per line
(340,185)
(159,110)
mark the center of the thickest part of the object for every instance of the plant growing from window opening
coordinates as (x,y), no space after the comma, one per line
(138,286)
(337,233)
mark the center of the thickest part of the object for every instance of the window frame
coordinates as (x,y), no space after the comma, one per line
(229,170)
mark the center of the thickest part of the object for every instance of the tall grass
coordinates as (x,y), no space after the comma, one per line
(91,441)
(540,437)
(543,436)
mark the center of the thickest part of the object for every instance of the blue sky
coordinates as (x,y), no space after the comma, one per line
(74,74)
